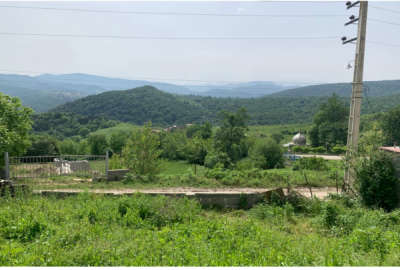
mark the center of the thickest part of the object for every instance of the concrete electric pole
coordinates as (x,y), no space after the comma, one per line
(357,89)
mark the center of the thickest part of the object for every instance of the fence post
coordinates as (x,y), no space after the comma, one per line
(107,164)
(7,166)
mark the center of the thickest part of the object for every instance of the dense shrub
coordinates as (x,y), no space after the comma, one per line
(116,162)
(231,138)
(173,145)
(141,153)
(196,151)
(98,144)
(267,155)
(302,149)
(217,159)
(43,145)
(377,182)
(310,163)
(118,140)
(338,149)
(203,131)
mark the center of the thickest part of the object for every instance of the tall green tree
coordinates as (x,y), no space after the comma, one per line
(230,138)
(196,150)
(118,140)
(141,153)
(330,124)
(15,124)
(391,126)
(43,145)
(204,130)
(98,144)
(267,155)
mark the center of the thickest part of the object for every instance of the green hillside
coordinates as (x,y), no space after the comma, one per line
(61,124)
(137,106)
(143,104)
(371,88)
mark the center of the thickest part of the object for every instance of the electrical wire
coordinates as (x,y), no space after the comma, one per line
(383,43)
(383,21)
(385,9)
(171,13)
(168,38)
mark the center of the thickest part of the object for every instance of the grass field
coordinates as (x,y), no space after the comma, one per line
(288,131)
(182,174)
(122,127)
(93,230)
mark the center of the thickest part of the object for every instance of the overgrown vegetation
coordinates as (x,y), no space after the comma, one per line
(330,124)
(377,181)
(162,231)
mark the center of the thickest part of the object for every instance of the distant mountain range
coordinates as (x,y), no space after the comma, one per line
(371,89)
(47,91)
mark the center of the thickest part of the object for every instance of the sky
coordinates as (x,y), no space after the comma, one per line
(208,60)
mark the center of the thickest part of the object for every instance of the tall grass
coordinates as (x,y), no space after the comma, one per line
(151,231)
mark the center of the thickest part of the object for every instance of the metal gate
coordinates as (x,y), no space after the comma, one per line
(85,166)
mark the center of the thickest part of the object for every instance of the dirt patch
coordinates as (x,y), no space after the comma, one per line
(317,192)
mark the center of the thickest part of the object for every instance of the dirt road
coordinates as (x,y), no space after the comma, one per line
(327,157)
(317,192)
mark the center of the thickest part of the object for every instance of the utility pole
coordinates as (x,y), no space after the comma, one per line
(356,93)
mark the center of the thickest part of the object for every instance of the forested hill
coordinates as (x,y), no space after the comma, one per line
(371,89)
(138,106)
(147,103)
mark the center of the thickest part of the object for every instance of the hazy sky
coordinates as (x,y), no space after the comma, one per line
(321,60)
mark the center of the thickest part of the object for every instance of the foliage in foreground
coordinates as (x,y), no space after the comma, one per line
(144,230)
(377,181)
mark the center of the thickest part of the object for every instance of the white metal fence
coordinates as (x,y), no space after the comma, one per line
(25,167)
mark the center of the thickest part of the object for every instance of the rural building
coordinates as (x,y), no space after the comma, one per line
(298,139)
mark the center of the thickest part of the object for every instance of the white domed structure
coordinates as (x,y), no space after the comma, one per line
(299,139)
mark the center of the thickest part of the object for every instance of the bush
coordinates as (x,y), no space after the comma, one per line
(43,145)
(339,149)
(302,149)
(159,211)
(244,164)
(98,144)
(141,153)
(196,151)
(217,159)
(267,155)
(116,162)
(377,183)
(311,163)
(173,145)
(319,149)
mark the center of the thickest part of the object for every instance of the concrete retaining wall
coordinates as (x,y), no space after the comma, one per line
(211,199)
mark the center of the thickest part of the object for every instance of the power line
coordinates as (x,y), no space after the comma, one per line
(191,38)
(173,13)
(382,21)
(385,9)
(383,43)
(166,37)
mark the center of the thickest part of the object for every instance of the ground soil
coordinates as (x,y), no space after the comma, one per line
(317,192)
